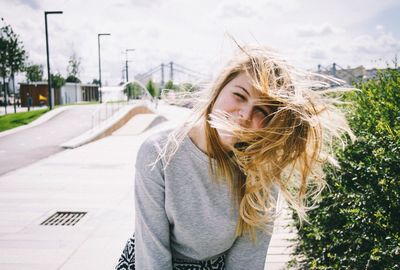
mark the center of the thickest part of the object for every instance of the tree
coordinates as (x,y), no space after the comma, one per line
(57,80)
(170,85)
(151,87)
(133,90)
(12,56)
(188,87)
(96,81)
(73,68)
(73,79)
(34,73)
(4,68)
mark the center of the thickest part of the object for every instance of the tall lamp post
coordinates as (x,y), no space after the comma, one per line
(98,41)
(126,63)
(50,96)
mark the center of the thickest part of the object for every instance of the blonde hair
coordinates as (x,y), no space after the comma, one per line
(288,152)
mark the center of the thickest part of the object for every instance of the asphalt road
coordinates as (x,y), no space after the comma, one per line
(30,145)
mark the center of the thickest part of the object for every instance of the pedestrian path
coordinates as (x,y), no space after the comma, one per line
(96,179)
(19,149)
(280,247)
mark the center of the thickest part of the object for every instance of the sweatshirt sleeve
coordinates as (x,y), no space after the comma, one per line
(152,235)
(244,254)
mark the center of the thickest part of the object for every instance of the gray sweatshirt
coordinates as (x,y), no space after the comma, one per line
(180,212)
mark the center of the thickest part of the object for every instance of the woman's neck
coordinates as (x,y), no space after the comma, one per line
(198,136)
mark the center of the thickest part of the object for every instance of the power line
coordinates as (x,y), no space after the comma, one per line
(191,70)
(149,73)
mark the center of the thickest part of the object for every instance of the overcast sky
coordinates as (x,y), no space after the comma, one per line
(192,33)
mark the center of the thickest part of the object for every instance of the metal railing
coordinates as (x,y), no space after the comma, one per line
(109,108)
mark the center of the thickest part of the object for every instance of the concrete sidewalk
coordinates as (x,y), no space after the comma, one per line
(41,138)
(96,178)
(280,247)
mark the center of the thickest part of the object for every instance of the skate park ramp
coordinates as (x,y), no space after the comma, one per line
(139,123)
(130,120)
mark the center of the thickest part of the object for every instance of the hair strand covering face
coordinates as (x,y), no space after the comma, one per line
(288,152)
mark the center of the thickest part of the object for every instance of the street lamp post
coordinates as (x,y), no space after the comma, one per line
(126,62)
(98,41)
(50,96)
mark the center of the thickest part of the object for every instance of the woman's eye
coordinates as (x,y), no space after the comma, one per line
(239,96)
(261,112)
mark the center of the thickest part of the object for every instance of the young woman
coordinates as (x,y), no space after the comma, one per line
(205,193)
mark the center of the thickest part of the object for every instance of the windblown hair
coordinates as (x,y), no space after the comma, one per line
(288,152)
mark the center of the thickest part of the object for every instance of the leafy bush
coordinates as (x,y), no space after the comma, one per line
(357,223)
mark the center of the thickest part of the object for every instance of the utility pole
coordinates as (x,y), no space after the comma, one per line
(98,42)
(334,69)
(50,96)
(162,75)
(126,63)
(171,71)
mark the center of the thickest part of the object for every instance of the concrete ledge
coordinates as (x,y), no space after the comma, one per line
(44,118)
(108,127)
(139,124)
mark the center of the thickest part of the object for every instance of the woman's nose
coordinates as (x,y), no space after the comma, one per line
(245,114)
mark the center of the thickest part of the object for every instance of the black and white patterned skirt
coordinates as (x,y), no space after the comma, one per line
(127,261)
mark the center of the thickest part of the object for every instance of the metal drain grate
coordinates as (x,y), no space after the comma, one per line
(64,219)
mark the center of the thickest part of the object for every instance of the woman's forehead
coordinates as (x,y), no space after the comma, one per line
(243,80)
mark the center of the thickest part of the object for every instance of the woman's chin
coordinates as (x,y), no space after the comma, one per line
(228,142)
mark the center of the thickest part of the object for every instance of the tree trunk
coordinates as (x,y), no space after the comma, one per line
(15,105)
(5,95)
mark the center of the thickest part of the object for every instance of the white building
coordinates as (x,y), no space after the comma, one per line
(78,92)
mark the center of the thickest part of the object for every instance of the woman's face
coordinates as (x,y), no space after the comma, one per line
(238,99)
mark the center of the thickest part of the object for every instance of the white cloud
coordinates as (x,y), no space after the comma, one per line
(360,50)
(34,4)
(192,33)
(380,28)
(338,48)
(384,44)
(229,9)
(318,54)
(317,30)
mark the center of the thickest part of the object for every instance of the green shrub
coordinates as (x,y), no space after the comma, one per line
(357,223)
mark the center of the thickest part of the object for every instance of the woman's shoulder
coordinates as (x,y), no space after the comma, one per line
(152,146)
(156,140)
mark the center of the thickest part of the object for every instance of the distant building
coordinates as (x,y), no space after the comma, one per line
(349,75)
(78,92)
(68,93)
(371,73)
(38,92)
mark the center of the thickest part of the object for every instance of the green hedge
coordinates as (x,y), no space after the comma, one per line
(357,223)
